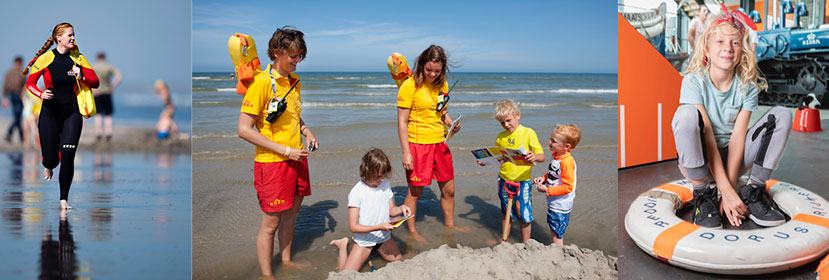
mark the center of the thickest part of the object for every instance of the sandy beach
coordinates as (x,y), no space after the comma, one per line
(505,261)
(125,138)
(226,216)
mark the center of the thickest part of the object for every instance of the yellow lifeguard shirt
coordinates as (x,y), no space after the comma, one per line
(285,130)
(425,126)
(521,136)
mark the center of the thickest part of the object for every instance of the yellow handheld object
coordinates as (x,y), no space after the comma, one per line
(399,68)
(245,59)
(86,103)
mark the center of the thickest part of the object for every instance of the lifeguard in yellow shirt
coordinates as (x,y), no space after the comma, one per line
(420,128)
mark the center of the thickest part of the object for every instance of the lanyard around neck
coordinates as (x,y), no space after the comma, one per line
(273,82)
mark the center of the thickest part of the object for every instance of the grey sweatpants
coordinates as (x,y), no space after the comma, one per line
(765,142)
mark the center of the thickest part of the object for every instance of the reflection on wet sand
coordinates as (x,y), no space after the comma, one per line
(124,202)
(57,257)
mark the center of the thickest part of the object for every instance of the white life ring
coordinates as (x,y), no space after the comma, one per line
(652,223)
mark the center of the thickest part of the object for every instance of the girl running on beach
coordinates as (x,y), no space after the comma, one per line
(420,128)
(370,205)
(60,120)
(713,140)
(280,167)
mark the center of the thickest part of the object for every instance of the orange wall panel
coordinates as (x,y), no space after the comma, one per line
(646,79)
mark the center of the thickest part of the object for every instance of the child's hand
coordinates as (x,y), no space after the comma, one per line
(530,157)
(481,163)
(539,184)
(406,210)
(385,227)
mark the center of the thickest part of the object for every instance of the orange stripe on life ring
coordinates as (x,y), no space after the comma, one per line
(823,269)
(684,193)
(771,182)
(666,241)
(812,219)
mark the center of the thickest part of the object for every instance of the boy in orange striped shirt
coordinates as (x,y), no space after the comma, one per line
(560,181)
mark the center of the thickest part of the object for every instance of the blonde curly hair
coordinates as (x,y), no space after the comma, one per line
(746,70)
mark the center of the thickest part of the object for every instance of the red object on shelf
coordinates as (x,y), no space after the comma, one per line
(807,120)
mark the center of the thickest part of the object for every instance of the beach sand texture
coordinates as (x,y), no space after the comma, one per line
(226,216)
(505,261)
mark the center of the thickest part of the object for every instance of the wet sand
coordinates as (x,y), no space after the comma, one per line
(803,164)
(130,217)
(125,138)
(226,216)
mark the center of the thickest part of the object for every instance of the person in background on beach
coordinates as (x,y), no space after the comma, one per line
(420,127)
(232,76)
(60,119)
(103,96)
(166,128)
(165,125)
(560,181)
(13,90)
(516,136)
(31,112)
(370,205)
(281,166)
(697,26)
(718,94)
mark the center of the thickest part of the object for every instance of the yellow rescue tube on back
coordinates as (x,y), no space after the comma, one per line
(245,59)
(399,68)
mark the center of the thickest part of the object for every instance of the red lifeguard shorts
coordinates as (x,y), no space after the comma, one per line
(431,161)
(277,183)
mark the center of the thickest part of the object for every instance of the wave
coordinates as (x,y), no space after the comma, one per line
(226,89)
(378,86)
(394,105)
(201,78)
(562,90)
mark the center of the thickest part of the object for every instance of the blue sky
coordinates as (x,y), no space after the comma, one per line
(146,40)
(480,36)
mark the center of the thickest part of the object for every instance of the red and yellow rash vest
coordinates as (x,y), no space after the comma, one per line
(561,183)
(56,69)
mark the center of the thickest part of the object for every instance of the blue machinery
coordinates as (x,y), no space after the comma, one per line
(793,59)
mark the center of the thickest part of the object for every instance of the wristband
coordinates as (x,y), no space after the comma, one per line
(287,152)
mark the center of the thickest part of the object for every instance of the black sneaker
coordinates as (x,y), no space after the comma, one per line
(763,210)
(705,208)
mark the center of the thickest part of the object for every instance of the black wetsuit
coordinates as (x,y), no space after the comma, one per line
(60,121)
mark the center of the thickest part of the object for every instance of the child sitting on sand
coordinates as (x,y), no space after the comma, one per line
(516,136)
(370,205)
(166,127)
(560,181)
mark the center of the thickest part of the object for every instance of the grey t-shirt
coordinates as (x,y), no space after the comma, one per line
(105,73)
(722,107)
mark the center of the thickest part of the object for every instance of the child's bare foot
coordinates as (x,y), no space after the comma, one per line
(296,265)
(65,205)
(268,277)
(492,242)
(341,243)
(458,228)
(47,174)
(417,237)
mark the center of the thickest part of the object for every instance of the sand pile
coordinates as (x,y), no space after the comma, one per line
(530,260)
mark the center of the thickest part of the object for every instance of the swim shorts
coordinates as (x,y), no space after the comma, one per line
(278,183)
(522,203)
(431,161)
(558,222)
